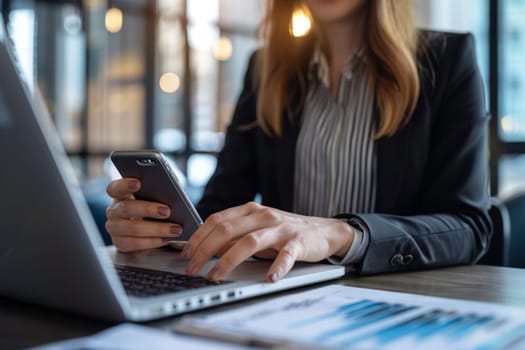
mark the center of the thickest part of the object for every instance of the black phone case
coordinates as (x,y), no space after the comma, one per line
(158,184)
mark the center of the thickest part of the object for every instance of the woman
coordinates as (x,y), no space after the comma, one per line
(366,140)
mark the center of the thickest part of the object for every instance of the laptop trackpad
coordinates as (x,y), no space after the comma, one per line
(172,261)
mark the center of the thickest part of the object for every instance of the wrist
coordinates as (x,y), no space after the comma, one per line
(345,238)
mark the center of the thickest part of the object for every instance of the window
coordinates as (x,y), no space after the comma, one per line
(127,74)
(509,103)
(167,73)
(213,49)
(512,79)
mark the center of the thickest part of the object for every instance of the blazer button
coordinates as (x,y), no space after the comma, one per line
(397,259)
(407,259)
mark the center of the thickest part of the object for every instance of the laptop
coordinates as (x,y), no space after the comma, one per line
(51,252)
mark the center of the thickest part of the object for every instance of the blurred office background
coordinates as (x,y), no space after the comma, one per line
(165,74)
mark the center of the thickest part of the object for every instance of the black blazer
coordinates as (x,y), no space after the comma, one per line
(432,189)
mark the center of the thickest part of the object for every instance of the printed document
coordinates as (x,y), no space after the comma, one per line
(342,317)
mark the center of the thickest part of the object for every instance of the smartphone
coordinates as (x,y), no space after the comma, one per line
(158,184)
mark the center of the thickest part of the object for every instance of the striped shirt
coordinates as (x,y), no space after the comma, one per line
(335,166)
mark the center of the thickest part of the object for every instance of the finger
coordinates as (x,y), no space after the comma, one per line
(178,245)
(217,219)
(131,208)
(123,188)
(142,228)
(131,244)
(230,224)
(226,247)
(225,232)
(222,250)
(247,246)
(284,261)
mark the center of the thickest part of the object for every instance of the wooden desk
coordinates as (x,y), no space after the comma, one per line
(24,325)
(501,285)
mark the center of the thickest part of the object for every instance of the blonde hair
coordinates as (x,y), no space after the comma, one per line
(391,39)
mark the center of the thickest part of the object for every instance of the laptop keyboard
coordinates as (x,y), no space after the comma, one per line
(142,282)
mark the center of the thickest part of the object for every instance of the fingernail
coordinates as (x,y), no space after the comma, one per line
(190,268)
(166,239)
(274,277)
(163,211)
(213,274)
(176,230)
(133,185)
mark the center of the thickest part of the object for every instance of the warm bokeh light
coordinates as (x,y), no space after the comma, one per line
(223,49)
(169,83)
(301,22)
(507,124)
(114,20)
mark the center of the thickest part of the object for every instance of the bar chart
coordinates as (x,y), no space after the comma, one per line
(343,317)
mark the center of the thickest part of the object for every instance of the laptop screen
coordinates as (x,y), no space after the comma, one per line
(5,118)
(48,240)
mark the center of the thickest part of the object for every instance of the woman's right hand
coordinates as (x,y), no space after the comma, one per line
(126,219)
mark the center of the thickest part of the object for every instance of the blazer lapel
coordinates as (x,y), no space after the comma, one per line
(391,154)
(285,162)
(398,153)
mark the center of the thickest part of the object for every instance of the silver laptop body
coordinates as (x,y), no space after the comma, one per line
(51,252)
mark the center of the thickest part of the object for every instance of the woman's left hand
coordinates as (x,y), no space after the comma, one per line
(255,230)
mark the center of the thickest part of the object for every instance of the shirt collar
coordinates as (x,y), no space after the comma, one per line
(318,67)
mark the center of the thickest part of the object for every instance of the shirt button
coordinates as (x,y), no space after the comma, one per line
(407,259)
(397,259)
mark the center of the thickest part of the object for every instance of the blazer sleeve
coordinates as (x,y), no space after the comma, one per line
(235,179)
(451,224)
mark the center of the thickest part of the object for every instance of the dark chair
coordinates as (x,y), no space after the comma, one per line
(98,200)
(498,253)
(515,205)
